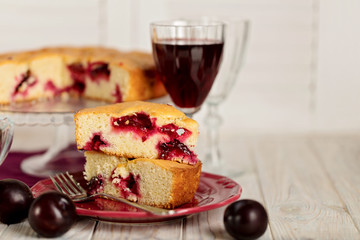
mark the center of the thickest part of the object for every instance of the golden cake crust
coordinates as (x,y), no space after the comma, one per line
(132,59)
(186,180)
(126,108)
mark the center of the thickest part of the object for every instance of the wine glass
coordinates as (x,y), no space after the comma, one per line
(6,136)
(187,54)
(236,41)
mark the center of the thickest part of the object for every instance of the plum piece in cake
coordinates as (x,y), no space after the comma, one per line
(138,129)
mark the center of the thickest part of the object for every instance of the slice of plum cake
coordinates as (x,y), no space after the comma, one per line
(160,183)
(138,130)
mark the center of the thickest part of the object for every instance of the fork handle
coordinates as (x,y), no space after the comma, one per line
(150,209)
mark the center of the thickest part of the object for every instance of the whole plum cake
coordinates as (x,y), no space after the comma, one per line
(90,72)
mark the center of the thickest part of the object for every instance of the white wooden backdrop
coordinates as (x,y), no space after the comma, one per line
(302,69)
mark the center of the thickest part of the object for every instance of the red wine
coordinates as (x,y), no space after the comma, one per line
(188,68)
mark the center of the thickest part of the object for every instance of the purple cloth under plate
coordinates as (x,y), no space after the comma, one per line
(68,160)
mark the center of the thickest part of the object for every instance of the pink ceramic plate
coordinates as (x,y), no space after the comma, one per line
(214,191)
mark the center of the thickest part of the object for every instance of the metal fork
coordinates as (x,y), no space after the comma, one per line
(66,184)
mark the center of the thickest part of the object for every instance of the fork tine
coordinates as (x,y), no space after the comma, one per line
(56,184)
(64,183)
(78,187)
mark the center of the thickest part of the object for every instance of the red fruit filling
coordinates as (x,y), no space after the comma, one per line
(77,71)
(78,75)
(144,126)
(176,149)
(50,86)
(117,94)
(98,71)
(78,87)
(174,132)
(95,185)
(128,186)
(25,82)
(140,123)
(95,143)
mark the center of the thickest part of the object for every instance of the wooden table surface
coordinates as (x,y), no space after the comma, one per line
(310,186)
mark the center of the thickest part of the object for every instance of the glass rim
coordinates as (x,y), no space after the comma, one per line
(188,23)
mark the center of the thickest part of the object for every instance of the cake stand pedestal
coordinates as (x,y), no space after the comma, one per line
(56,159)
(60,156)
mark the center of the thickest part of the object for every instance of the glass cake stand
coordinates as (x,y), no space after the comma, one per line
(58,112)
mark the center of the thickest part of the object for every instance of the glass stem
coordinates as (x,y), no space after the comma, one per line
(213,122)
(189,115)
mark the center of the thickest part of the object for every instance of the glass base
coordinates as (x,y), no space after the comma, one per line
(44,166)
(189,112)
(227,171)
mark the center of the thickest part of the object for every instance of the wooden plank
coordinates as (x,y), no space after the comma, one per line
(2,228)
(249,180)
(236,152)
(107,230)
(209,225)
(19,231)
(341,156)
(198,226)
(302,201)
(82,229)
